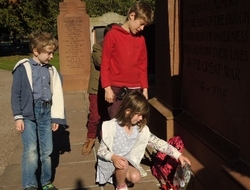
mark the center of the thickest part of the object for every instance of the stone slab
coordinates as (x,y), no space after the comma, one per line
(74,44)
(74,175)
(74,81)
(11,178)
(216,67)
(75,156)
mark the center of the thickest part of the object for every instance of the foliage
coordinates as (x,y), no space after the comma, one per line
(19,17)
(97,8)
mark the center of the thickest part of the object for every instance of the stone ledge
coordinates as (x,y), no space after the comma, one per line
(240,172)
(167,117)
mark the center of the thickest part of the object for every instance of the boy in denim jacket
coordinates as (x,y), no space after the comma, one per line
(38,108)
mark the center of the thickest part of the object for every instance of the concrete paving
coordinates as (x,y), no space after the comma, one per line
(73,171)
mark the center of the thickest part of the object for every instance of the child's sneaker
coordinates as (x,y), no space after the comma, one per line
(129,184)
(49,186)
(142,171)
(122,187)
(87,146)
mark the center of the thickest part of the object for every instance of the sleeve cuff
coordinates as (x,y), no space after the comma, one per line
(16,117)
(176,154)
(108,157)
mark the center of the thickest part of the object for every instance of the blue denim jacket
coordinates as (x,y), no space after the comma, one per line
(22,96)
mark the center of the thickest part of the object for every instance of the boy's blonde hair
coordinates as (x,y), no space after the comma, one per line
(40,40)
(136,103)
(142,11)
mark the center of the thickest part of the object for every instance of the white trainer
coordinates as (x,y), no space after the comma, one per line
(142,171)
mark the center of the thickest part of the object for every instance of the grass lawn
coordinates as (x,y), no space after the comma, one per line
(8,62)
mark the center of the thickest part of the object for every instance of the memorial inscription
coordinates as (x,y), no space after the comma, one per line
(74,44)
(216,54)
(216,40)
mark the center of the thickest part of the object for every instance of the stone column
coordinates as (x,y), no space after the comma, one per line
(167,74)
(74,44)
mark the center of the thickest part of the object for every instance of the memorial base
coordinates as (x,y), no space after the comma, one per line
(208,165)
(74,83)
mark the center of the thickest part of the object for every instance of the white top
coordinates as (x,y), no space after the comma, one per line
(132,148)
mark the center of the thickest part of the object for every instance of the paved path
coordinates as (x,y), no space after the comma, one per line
(73,171)
(8,135)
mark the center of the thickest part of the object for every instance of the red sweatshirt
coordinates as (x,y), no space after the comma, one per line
(124,59)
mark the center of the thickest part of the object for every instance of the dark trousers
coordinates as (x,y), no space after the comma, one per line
(94,117)
(114,107)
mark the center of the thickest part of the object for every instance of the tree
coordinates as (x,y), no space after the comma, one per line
(20,17)
(97,8)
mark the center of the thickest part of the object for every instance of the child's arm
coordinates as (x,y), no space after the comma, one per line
(145,92)
(104,152)
(105,68)
(182,159)
(97,55)
(143,68)
(16,90)
(167,148)
(105,61)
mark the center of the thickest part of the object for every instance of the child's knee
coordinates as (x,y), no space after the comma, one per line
(135,177)
(125,164)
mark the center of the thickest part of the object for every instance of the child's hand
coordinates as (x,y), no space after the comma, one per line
(54,126)
(109,95)
(184,160)
(119,162)
(145,92)
(19,124)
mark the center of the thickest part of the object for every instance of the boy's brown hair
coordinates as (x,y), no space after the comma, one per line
(142,11)
(40,40)
(108,28)
(136,103)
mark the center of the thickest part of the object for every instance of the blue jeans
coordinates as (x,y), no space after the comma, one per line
(37,136)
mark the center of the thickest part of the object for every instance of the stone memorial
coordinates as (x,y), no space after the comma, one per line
(167,71)
(202,93)
(74,44)
(216,52)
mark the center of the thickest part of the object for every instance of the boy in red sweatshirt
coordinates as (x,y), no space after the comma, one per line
(124,56)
